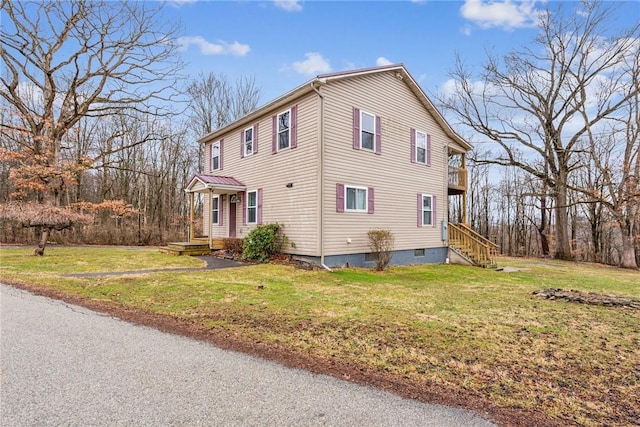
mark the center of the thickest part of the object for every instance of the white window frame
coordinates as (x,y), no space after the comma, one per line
(249,207)
(423,210)
(215,208)
(213,149)
(278,131)
(357,188)
(251,141)
(424,134)
(362,129)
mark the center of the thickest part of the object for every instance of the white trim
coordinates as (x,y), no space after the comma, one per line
(426,155)
(244,141)
(422,210)
(217,210)
(278,130)
(213,147)
(373,145)
(247,207)
(366,198)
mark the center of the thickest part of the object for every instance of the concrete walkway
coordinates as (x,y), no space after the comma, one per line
(65,365)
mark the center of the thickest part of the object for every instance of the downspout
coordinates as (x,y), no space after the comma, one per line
(321,193)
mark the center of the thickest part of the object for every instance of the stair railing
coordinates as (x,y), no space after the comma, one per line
(481,250)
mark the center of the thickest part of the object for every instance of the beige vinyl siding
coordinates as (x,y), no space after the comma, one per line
(396,181)
(295,208)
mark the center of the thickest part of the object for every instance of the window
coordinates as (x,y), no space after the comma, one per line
(215,210)
(354,199)
(252,207)
(418,253)
(216,156)
(248,141)
(369,257)
(368,131)
(283,130)
(420,147)
(426,210)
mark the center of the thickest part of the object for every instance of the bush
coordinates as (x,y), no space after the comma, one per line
(263,242)
(381,243)
(233,245)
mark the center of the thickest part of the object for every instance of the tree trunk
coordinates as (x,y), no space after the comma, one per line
(39,251)
(563,244)
(628,246)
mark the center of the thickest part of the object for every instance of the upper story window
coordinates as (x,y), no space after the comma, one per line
(420,147)
(284,132)
(366,131)
(216,155)
(247,140)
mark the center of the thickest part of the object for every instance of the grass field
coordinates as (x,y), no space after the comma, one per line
(472,330)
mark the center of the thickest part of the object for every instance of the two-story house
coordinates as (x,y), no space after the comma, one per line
(340,155)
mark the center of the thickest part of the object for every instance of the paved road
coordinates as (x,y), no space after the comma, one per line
(65,365)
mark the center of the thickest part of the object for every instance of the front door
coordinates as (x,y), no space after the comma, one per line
(232,220)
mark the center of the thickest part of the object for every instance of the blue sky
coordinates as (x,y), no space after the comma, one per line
(285,43)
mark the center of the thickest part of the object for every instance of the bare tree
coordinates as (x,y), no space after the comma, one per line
(214,102)
(530,104)
(67,60)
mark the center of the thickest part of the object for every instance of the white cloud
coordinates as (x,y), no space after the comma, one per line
(288,5)
(506,14)
(314,64)
(383,61)
(180,3)
(219,48)
(466,30)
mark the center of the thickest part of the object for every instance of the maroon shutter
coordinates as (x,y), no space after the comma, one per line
(378,141)
(259,207)
(274,134)
(221,154)
(255,139)
(293,128)
(220,212)
(413,145)
(370,200)
(433,210)
(244,207)
(242,144)
(356,128)
(419,210)
(428,150)
(339,197)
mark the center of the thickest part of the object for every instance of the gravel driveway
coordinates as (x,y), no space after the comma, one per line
(65,365)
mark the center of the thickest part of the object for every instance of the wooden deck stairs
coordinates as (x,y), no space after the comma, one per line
(472,246)
(186,248)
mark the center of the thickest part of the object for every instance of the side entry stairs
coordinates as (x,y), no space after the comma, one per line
(472,246)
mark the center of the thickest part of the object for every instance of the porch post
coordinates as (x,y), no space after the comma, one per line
(192,228)
(210,208)
(464,194)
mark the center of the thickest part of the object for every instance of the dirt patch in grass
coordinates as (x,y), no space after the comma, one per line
(412,388)
(572,295)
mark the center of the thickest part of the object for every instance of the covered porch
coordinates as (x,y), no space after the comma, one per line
(211,186)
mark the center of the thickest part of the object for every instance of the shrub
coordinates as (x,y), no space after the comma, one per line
(381,243)
(263,242)
(233,245)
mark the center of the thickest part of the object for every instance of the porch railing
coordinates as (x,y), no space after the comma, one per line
(458,178)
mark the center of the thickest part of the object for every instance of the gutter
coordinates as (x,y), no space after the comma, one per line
(321,192)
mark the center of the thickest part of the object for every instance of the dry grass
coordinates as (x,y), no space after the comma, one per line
(477,331)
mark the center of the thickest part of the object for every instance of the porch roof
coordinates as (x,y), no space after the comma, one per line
(214,183)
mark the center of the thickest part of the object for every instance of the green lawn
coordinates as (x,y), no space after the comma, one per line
(477,331)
